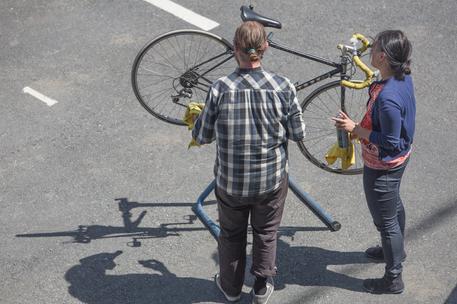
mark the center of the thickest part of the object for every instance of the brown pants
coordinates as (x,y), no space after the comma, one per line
(266,213)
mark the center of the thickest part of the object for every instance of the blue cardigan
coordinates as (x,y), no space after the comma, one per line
(393,118)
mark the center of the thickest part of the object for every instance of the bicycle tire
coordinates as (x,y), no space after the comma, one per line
(317,108)
(170,71)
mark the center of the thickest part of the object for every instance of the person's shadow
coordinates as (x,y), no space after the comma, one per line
(307,266)
(304,266)
(90,283)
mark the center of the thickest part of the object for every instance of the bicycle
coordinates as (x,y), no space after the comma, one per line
(179,66)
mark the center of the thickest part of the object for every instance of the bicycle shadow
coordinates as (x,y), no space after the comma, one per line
(86,233)
(90,283)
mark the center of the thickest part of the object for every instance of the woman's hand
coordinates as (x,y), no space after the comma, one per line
(344,122)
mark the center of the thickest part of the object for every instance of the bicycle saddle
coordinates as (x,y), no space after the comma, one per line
(248,14)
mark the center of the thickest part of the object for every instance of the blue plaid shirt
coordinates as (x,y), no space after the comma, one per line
(251,114)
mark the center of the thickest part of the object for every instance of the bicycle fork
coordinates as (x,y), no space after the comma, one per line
(341,135)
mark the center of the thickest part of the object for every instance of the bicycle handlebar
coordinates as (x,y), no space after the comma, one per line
(369,74)
(365,42)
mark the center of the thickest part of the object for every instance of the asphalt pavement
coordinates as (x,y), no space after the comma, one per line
(96,193)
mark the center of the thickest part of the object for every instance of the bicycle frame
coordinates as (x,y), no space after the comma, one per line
(339,68)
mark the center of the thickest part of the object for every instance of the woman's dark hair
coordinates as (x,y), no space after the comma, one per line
(397,48)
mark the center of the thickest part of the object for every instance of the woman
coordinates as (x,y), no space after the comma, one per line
(386,133)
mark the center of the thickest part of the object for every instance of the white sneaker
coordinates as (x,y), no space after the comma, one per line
(263,299)
(217,279)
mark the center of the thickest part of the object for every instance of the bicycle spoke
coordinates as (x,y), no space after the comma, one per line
(319,140)
(167,60)
(155,84)
(154,63)
(324,103)
(204,53)
(336,103)
(196,54)
(162,100)
(320,136)
(154,73)
(157,93)
(318,115)
(306,118)
(178,50)
(314,129)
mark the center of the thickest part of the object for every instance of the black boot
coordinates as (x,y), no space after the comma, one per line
(384,285)
(377,254)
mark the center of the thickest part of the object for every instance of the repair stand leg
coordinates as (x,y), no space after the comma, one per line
(304,197)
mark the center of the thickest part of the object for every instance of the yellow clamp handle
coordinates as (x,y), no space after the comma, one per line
(368,73)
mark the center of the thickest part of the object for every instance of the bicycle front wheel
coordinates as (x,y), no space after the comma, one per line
(178,67)
(318,107)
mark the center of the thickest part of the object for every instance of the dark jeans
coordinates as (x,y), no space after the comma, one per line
(382,191)
(266,213)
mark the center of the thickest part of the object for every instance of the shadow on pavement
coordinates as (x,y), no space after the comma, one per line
(439,217)
(89,283)
(308,266)
(452,299)
(305,266)
(131,229)
(442,216)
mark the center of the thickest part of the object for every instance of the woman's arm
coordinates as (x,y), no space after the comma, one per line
(390,122)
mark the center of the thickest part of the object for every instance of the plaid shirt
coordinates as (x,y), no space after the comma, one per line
(251,114)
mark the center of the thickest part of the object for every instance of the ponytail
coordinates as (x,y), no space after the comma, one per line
(398,49)
(251,39)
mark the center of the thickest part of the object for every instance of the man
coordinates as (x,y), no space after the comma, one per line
(251,114)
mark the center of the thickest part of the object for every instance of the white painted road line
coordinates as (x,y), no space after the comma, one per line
(185,14)
(38,95)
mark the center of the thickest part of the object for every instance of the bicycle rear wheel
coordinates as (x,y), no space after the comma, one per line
(318,107)
(178,67)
